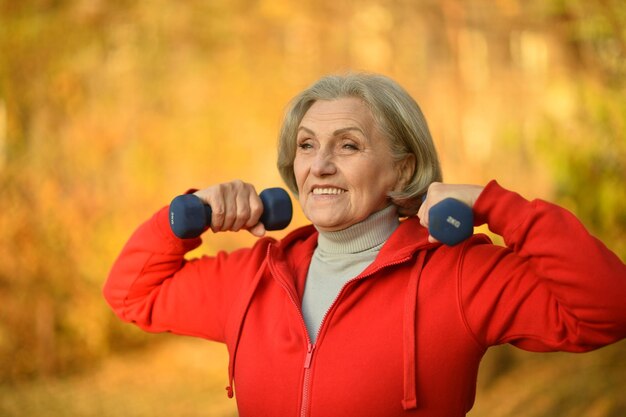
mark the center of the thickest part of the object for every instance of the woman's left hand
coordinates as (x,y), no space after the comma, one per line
(438,191)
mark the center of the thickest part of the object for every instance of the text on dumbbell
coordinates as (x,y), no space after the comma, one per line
(454,222)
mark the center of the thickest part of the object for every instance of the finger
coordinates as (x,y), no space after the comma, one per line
(218,208)
(256,209)
(230,206)
(257,230)
(242,209)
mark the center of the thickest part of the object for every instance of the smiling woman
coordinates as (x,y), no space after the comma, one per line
(384,114)
(362,312)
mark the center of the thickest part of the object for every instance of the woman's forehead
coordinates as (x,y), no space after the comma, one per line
(348,110)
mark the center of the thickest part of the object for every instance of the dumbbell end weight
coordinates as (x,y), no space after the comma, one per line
(277,208)
(189,216)
(450,221)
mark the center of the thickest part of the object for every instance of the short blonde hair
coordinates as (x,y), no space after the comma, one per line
(397,115)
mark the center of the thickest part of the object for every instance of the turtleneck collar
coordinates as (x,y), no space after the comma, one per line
(369,234)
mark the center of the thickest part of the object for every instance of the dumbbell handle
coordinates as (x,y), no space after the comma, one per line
(450,221)
(190,217)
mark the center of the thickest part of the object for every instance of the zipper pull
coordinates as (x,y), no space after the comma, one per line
(309,355)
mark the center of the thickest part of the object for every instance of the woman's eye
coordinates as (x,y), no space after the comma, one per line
(305,145)
(350,146)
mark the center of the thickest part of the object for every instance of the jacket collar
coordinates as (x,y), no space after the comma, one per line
(291,256)
(408,238)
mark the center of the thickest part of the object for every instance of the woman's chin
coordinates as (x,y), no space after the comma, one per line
(325,223)
(330,225)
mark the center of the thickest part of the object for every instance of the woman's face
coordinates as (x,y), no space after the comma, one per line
(343,166)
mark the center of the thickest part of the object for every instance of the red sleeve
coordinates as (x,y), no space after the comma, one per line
(153,286)
(554,286)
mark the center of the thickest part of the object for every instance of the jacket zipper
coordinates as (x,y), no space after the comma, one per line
(306,388)
(309,355)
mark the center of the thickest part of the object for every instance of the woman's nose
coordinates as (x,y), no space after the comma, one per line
(323,164)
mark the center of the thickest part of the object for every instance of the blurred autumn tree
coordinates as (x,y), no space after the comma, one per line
(108,109)
(54,181)
(585,142)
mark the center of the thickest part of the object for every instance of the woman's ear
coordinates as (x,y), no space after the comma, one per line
(405,170)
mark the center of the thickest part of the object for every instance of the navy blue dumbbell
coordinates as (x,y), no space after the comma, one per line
(190,217)
(450,221)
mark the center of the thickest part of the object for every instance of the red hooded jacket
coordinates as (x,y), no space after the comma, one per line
(406,336)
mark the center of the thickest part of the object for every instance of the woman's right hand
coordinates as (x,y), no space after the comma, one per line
(235,205)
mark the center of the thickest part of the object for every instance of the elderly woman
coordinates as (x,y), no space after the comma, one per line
(361,314)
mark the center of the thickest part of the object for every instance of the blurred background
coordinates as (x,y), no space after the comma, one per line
(109,109)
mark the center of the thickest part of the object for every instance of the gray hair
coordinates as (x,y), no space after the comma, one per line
(397,115)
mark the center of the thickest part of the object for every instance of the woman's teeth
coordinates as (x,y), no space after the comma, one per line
(321,191)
